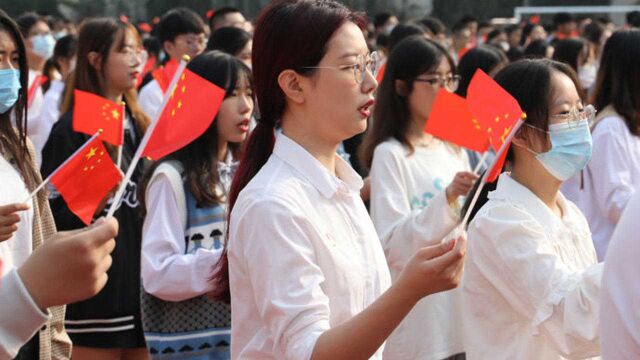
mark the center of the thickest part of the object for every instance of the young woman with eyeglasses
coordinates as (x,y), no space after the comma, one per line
(416,181)
(532,281)
(308,278)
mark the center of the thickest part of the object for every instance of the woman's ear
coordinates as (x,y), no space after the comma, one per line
(95,60)
(289,82)
(402,88)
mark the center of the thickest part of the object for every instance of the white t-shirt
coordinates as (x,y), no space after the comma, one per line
(620,309)
(36,132)
(150,99)
(531,283)
(611,178)
(303,255)
(410,210)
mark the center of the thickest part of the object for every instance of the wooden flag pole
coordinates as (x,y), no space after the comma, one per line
(124,117)
(145,139)
(483,181)
(46,181)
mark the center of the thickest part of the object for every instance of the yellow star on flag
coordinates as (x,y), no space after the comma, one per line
(91,153)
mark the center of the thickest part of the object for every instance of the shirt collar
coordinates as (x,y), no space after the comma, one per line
(518,194)
(313,171)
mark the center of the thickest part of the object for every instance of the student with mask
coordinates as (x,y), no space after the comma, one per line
(531,288)
(39,44)
(181,32)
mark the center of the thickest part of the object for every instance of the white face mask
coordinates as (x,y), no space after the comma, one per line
(43,45)
(587,75)
(504,45)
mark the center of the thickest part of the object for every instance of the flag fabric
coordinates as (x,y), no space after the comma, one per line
(164,74)
(85,179)
(92,113)
(189,112)
(451,120)
(494,108)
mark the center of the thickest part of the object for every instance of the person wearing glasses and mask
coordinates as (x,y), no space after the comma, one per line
(307,275)
(416,182)
(531,288)
(181,32)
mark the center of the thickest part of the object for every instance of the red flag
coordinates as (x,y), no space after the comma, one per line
(92,113)
(86,178)
(451,120)
(164,74)
(497,113)
(192,107)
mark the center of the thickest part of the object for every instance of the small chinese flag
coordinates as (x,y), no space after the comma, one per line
(189,112)
(496,111)
(164,74)
(86,178)
(92,113)
(451,120)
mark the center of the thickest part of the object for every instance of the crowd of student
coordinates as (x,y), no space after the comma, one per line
(315,218)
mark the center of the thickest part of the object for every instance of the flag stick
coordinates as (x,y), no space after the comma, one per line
(145,139)
(483,181)
(124,117)
(46,181)
(481,162)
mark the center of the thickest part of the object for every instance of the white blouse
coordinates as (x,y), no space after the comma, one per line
(610,178)
(303,255)
(620,310)
(410,210)
(531,285)
(150,99)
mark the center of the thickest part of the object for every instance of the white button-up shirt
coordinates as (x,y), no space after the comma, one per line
(531,285)
(303,255)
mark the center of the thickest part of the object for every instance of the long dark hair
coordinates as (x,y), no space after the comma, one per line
(529,81)
(196,158)
(14,141)
(411,58)
(98,35)
(289,34)
(618,81)
(568,51)
(482,57)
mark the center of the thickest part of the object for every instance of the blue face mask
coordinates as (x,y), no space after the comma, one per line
(570,149)
(43,45)
(9,88)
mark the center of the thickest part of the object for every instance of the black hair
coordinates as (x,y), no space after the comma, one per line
(536,49)
(411,58)
(224,71)
(152,45)
(562,18)
(434,25)
(468,19)
(179,21)
(568,51)
(633,18)
(481,57)
(26,21)
(402,31)
(220,13)
(495,33)
(593,32)
(229,39)
(381,18)
(529,81)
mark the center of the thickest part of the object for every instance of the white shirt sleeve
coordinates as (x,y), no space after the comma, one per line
(609,168)
(511,250)
(20,317)
(279,258)
(402,231)
(620,310)
(167,272)
(150,99)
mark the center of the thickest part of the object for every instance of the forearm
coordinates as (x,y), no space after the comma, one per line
(362,335)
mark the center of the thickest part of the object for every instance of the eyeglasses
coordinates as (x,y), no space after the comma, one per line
(449,82)
(193,40)
(574,116)
(360,67)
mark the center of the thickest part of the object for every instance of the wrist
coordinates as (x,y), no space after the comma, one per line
(30,282)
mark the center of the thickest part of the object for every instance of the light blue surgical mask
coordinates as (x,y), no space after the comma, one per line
(570,149)
(9,88)
(43,45)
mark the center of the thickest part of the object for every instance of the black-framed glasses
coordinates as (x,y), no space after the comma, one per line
(362,64)
(449,82)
